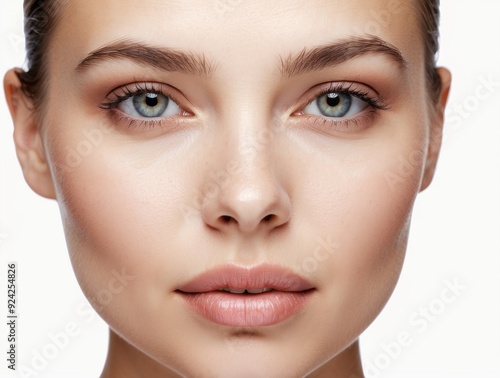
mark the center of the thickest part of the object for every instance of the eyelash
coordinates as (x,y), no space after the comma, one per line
(124,93)
(375,105)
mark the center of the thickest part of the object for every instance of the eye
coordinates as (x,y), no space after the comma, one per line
(146,108)
(145,102)
(336,105)
(339,108)
(149,105)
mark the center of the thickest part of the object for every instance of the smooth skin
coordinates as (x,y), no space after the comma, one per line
(242,172)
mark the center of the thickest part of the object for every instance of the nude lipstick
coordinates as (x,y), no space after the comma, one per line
(237,296)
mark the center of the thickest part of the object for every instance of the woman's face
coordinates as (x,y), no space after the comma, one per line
(237,145)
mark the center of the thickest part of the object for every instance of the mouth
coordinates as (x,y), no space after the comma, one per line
(238,296)
(246,291)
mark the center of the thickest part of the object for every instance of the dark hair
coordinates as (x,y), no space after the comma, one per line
(429,19)
(40,19)
(41,16)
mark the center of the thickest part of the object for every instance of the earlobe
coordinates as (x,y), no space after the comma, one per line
(27,138)
(436,129)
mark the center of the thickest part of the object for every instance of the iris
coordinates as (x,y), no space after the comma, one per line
(334,104)
(150,104)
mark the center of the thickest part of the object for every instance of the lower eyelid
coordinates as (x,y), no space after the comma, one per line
(342,126)
(152,126)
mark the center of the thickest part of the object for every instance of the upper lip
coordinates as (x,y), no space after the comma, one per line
(237,277)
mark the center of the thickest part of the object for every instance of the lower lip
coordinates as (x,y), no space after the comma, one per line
(247,310)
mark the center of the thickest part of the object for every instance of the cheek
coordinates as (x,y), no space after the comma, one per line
(372,261)
(120,211)
(363,207)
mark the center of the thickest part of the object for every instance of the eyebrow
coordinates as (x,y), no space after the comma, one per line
(307,60)
(339,52)
(163,58)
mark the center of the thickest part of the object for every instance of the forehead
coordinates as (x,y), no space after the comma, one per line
(228,31)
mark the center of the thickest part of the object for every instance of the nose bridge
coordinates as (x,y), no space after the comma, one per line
(248,195)
(245,135)
(251,144)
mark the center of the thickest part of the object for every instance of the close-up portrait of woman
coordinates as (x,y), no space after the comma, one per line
(231,186)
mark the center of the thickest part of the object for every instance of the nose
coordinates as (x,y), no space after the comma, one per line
(251,198)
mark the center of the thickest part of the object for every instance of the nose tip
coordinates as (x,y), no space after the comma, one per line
(264,205)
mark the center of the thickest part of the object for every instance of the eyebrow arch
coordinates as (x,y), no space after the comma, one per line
(163,58)
(339,52)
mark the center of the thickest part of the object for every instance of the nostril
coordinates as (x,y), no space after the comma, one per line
(267,218)
(226,218)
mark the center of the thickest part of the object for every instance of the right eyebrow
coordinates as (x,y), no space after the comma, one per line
(165,59)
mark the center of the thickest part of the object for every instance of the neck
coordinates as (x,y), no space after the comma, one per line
(346,364)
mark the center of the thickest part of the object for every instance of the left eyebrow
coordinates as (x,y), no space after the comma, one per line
(339,52)
(163,58)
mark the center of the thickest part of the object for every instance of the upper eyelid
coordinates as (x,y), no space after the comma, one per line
(353,88)
(137,88)
(348,87)
(126,91)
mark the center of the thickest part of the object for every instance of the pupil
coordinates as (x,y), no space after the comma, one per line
(151,99)
(332,99)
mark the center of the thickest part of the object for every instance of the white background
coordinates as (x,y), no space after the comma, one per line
(455,234)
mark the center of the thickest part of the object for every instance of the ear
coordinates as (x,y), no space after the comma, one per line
(27,137)
(436,130)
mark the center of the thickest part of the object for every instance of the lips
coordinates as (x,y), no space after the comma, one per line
(238,296)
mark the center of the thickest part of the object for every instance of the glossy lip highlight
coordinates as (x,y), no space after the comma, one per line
(288,295)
